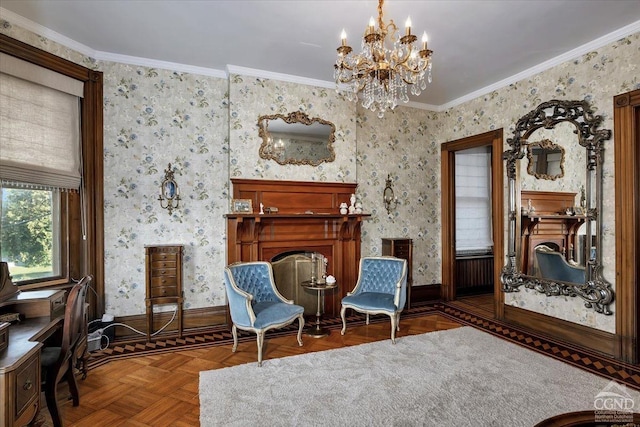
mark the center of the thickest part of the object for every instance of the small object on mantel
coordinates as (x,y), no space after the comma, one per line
(261,209)
(271,210)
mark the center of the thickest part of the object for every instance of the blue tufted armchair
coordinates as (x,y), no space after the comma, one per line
(255,303)
(381,289)
(554,266)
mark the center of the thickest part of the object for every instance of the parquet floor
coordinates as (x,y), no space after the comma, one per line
(162,389)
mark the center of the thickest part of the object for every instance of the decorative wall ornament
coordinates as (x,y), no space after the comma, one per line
(169,193)
(388,196)
(595,291)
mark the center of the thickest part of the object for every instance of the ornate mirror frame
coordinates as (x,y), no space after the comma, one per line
(266,148)
(544,145)
(596,291)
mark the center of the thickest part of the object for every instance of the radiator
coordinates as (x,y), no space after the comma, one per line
(474,271)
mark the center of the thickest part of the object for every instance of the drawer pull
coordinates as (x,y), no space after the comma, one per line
(28,385)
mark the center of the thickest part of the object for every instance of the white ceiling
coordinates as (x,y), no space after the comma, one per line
(478,44)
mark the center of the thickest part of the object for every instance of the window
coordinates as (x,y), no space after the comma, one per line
(473,200)
(31,234)
(39,182)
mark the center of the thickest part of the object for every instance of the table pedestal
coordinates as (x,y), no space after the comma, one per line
(317,331)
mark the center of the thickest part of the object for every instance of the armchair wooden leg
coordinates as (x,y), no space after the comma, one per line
(234,332)
(394,321)
(260,337)
(344,322)
(300,327)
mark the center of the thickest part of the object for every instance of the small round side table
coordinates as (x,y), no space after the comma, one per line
(316,330)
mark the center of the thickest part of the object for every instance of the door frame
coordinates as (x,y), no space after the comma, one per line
(494,139)
(626,131)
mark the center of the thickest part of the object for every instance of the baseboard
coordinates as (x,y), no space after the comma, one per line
(192,319)
(425,293)
(562,330)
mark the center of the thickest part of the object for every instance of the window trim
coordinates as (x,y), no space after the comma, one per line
(85,255)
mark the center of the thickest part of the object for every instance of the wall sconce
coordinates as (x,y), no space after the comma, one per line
(389,198)
(169,191)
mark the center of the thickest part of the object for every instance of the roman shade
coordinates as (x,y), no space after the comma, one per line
(39,126)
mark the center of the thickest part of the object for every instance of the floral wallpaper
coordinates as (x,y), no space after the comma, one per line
(401,145)
(153,118)
(252,97)
(595,77)
(207,129)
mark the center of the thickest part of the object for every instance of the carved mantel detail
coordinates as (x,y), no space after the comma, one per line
(308,219)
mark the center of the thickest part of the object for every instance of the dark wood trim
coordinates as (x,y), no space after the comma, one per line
(193,319)
(90,251)
(626,125)
(558,329)
(424,294)
(495,140)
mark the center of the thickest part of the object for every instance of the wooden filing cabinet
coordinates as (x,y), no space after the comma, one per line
(163,280)
(401,248)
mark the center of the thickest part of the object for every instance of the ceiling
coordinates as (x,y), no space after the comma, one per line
(477,44)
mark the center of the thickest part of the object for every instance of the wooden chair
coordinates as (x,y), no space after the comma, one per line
(57,363)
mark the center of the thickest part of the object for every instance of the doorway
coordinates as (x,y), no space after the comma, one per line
(464,261)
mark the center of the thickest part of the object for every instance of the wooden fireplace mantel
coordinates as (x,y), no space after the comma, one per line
(308,219)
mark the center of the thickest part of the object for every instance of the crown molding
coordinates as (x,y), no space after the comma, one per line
(530,72)
(232,69)
(40,30)
(155,63)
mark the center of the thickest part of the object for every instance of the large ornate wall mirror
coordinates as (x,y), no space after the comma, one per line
(296,139)
(555,226)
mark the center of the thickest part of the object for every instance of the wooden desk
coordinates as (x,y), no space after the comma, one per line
(20,361)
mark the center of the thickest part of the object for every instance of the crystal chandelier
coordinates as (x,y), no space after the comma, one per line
(384,69)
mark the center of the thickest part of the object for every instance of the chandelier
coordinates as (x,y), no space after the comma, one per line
(385,69)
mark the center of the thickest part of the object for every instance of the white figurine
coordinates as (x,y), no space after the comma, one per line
(261,209)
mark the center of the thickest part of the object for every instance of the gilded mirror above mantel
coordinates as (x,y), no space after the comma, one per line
(555,223)
(296,139)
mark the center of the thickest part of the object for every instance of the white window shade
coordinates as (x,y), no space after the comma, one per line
(473,200)
(39,134)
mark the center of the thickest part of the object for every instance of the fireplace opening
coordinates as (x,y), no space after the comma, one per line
(291,269)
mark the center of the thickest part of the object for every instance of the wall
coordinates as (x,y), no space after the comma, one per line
(595,77)
(188,128)
(403,145)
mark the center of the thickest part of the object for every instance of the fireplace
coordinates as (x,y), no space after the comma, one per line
(291,269)
(307,221)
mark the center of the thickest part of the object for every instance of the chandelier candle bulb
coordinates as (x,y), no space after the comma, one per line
(425,39)
(343,37)
(386,70)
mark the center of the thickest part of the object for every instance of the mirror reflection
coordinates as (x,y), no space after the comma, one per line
(296,139)
(555,232)
(546,160)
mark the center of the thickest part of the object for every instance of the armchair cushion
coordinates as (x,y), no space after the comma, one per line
(271,313)
(371,301)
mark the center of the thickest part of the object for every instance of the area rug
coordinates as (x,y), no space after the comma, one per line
(458,377)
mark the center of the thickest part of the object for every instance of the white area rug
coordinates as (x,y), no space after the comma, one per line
(459,377)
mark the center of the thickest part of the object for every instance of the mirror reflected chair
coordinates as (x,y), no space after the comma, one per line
(381,289)
(256,305)
(58,362)
(554,266)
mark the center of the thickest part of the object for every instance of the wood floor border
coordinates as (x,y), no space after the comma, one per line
(582,358)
